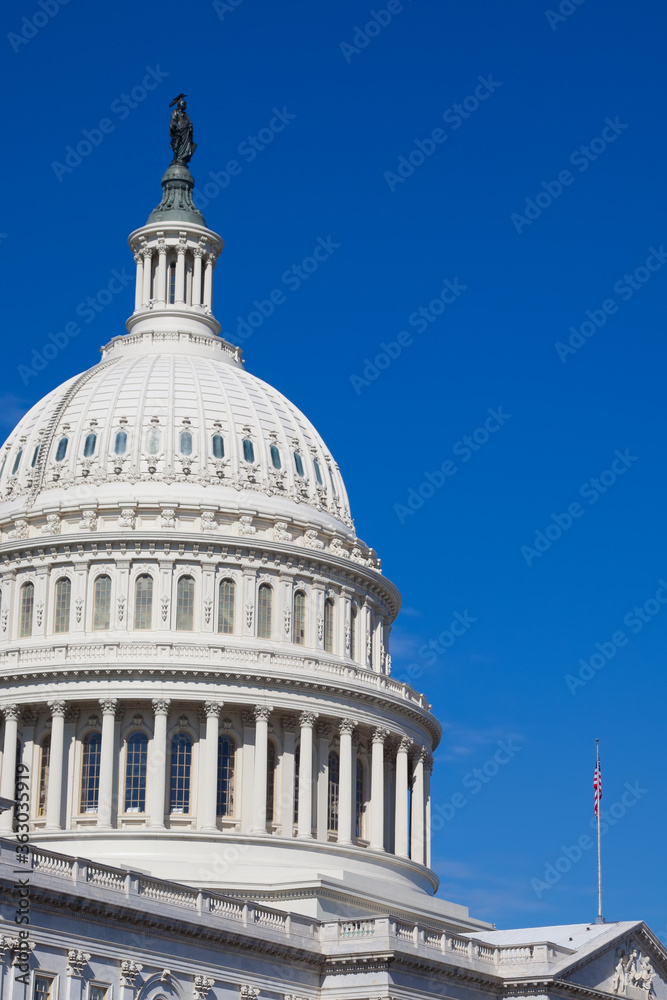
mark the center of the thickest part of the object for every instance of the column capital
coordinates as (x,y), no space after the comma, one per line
(109,706)
(161,706)
(11,712)
(308,719)
(346,726)
(262,712)
(380,735)
(57,708)
(212,709)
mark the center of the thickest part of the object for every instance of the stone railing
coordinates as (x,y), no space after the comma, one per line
(76,655)
(334,937)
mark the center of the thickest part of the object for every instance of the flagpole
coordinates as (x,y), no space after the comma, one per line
(600,918)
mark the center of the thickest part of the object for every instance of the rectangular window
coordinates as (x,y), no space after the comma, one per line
(135,773)
(62,606)
(27,608)
(185,604)
(97,992)
(43,988)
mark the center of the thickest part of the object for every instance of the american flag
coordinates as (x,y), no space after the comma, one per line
(597,786)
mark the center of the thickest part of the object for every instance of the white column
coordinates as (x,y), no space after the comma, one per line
(148,273)
(288,723)
(262,713)
(390,796)
(139,284)
(346,787)
(417,823)
(305,817)
(209,762)
(157,771)
(324,732)
(208,282)
(428,770)
(401,837)
(196,277)
(377,790)
(54,789)
(160,290)
(8,782)
(179,296)
(107,760)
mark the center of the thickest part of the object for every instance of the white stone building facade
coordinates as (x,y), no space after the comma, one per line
(223,791)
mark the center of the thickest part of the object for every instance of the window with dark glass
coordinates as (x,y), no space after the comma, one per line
(275,457)
(226,775)
(226,606)
(299,624)
(186,443)
(181,765)
(218,446)
(143,602)
(270,782)
(353,633)
(329,625)
(102,603)
(264,611)
(62,603)
(359,800)
(17,462)
(318,472)
(298,464)
(35,455)
(89,445)
(120,444)
(44,760)
(248,450)
(185,604)
(136,760)
(172,282)
(61,450)
(90,772)
(333,791)
(27,608)
(297,766)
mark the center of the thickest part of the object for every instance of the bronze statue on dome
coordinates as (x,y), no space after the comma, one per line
(180,131)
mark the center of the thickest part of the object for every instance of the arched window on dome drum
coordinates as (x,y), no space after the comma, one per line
(299,624)
(89,445)
(226,606)
(172,282)
(62,604)
(186,443)
(102,603)
(185,604)
(44,760)
(275,457)
(353,632)
(329,624)
(181,766)
(360,801)
(35,456)
(333,792)
(136,759)
(297,765)
(226,775)
(27,608)
(120,443)
(17,462)
(61,450)
(248,451)
(264,611)
(90,772)
(218,446)
(298,464)
(318,472)
(270,782)
(143,602)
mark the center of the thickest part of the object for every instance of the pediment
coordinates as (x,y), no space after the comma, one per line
(629,967)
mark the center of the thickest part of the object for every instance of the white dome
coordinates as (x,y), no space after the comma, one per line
(172,414)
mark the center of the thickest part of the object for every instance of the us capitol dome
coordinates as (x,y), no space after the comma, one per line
(194,642)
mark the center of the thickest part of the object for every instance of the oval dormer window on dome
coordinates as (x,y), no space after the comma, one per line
(248,451)
(17,462)
(275,457)
(318,472)
(120,444)
(89,445)
(186,443)
(35,456)
(298,464)
(153,441)
(218,446)
(62,449)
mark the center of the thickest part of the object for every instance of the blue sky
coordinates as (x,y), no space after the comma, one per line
(541,200)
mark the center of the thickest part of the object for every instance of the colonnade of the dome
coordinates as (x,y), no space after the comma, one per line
(140,764)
